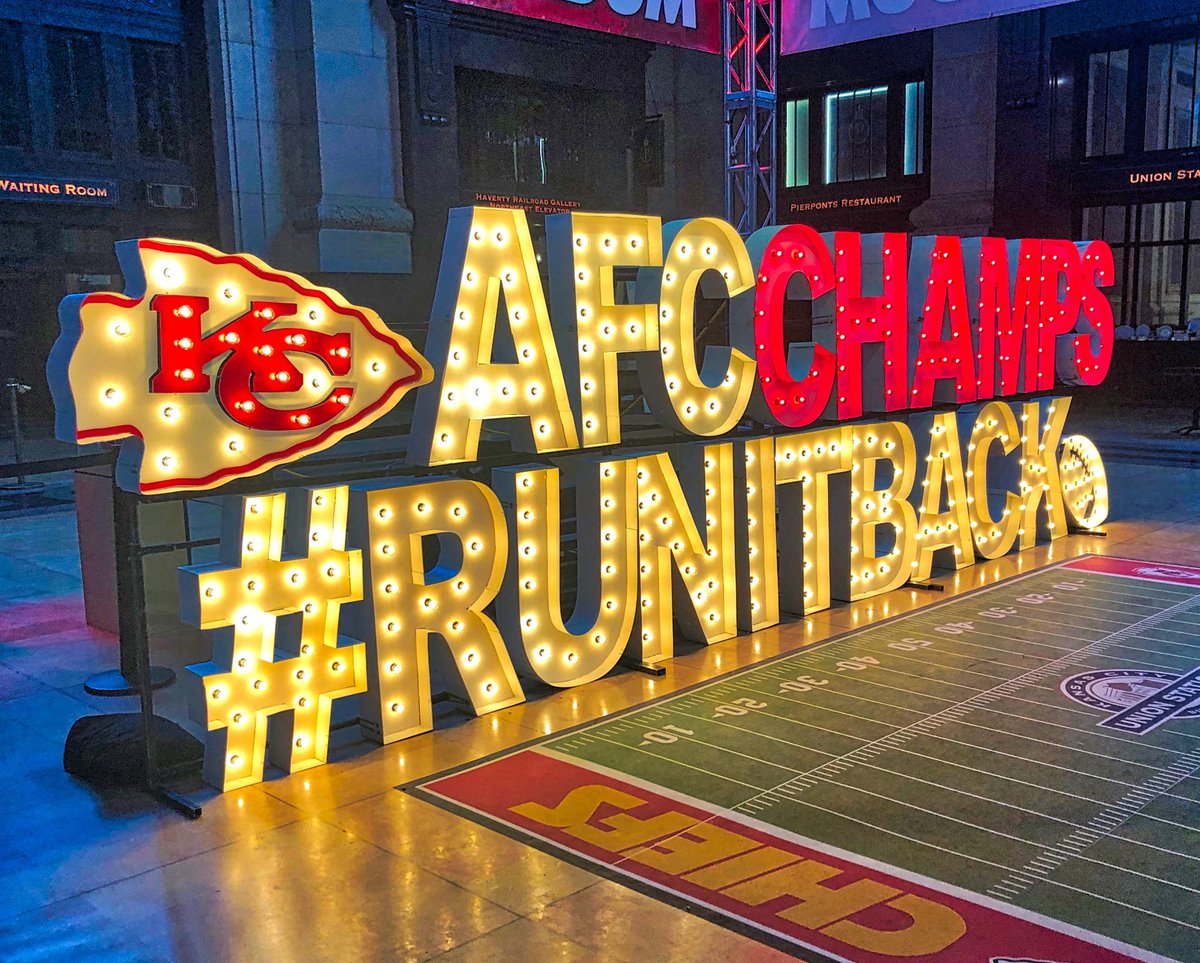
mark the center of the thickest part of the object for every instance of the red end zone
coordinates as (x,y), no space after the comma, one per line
(848,910)
(1133,568)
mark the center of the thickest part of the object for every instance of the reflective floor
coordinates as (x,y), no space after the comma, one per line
(332,862)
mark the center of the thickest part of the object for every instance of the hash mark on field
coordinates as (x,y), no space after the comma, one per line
(1106,822)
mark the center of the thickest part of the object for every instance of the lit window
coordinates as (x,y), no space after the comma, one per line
(856,135)
(914,127)
(795,136)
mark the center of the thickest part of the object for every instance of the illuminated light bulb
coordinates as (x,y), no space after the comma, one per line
(121,329)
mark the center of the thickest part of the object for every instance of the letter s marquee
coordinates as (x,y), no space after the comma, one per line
(217,366)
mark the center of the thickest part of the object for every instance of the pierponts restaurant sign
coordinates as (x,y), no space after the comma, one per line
(214,366)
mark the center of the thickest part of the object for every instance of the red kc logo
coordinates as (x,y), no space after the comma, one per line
(218,366)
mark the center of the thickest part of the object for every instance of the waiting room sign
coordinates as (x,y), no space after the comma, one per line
(777,494)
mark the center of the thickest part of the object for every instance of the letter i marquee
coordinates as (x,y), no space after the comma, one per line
(887,446)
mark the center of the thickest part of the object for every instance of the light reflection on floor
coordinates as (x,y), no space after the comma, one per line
(332,862)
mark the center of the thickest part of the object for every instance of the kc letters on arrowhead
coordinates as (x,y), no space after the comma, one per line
(795,474)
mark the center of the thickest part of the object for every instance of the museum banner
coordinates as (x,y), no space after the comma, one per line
(679,23)
(813,24)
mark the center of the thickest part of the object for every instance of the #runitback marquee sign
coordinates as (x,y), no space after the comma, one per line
(798,474)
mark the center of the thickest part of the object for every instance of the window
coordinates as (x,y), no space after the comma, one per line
(78,87)
(1108,86)
(856,135)
(1172,119)
(515,134)
(14,101)
(157,88)
(1156,252)
(795,136)
(914,128)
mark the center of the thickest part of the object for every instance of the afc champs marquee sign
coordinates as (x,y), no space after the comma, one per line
(213,367)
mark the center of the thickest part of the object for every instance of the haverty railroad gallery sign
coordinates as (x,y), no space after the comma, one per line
(213,367)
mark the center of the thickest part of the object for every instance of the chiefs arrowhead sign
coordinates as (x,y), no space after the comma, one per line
(216,366)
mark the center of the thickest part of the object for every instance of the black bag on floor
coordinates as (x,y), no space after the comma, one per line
(108,752)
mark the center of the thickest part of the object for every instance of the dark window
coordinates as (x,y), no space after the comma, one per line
(1156,250)
(540,139)
(14,100)
(78,87)
(158,89)
(1171,102)
(1108,86)
(856,135)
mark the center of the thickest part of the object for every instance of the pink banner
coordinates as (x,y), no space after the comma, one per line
(813,24)
(1132,568)
(680,23)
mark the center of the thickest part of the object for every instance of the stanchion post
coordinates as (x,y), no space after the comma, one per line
(135,639)
(15,388)
(131,615)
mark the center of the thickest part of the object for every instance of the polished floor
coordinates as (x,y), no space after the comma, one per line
(332,863)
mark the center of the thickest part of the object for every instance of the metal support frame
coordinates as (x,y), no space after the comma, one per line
(135,639)
(751,51)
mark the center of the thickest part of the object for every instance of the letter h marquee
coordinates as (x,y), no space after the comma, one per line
(751,54)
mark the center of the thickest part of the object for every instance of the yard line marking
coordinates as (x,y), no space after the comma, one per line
(801,801)
(715,775)
(1108,821)
(955,714)
(1047,848)
(937,718)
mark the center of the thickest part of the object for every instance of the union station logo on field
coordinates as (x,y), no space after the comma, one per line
(214,366)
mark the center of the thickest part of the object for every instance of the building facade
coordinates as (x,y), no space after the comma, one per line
(328,137)
(1080,119)
(98,142)
(346,131)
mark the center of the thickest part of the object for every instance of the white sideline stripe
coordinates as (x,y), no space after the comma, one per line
(925,726)
(955,712)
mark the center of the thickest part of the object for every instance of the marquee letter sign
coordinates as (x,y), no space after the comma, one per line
(215,366)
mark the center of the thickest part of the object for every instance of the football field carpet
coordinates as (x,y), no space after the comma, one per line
(1012,774)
